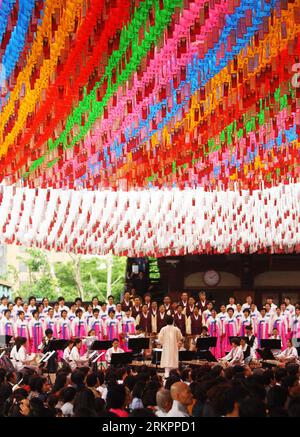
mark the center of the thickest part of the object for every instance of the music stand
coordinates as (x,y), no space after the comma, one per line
(5,340)
(270,344)
(265,354)
(121,358)
(101,345)
(203,345)
(58,345)
(156,357)
(187,355)
(137,344)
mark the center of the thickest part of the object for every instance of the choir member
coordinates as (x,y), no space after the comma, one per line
(57,311)
(42,315)
(222,317)
(96,324)
(7,324)
(195,322)
(79,325)
(161,318)
(128,323)
(119,314)
(190,306)
(280,324)
(184,301)
(51,322)
(115,349)
(202,302)
(95,303)
(273,307)
(254,316)
(269,314)
(263,326)
(64,326)
(78,303)
(136,308)
(4,304)
(248,303)
(167,304)
(180,320)
(36,331)
(287,317)
(147,300)
(88,314)
(246,321)
(32,303)
(214,330)
(154,314)
(126,302)
(28,314)
(21,328)
(112,327)
(296,323)
(144,319)
(231,303)
(238,314)
(17,307)
(111,305)
(46,306)
(230,327)
(206,313)
(72,312)
(103,313)
(291,308)
(61,304)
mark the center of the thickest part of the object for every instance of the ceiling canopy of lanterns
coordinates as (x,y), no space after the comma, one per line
(158,127)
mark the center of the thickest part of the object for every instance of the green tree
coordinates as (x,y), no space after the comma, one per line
(81,276)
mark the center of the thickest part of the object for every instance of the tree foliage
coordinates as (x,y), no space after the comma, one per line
(67,278)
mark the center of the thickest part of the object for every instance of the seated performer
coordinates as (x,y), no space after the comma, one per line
(235,356)
(248,353)
(19,356)
(289,355)
(75,359)
(115,349)
(67,351)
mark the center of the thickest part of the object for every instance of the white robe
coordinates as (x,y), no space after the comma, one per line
(169,337)
(20,358)
(111,351)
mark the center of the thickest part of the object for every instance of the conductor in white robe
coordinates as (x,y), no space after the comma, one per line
(169,337)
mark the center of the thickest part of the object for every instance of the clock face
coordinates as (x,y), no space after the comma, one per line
(211,278)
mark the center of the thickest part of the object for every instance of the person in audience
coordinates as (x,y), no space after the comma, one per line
(182,398)
(164,402)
